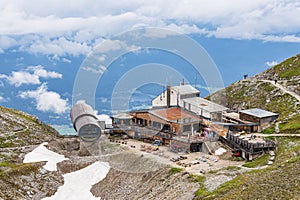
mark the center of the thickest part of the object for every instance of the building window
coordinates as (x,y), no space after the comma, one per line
(186,128)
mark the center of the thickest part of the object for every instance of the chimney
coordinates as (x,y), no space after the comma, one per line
(182,82)
(168,96)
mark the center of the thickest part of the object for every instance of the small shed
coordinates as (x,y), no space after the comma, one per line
(85,122)
(257,115)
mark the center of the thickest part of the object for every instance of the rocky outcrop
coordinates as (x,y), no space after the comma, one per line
(159,184)
(19,134)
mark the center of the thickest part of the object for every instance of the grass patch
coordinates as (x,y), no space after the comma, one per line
(291,124)
(196,178)
(261,161)
(269,130)
(202,191)
(232,168)
(6,164)
(213,171)
(22,169)
(293,71)
(295,159)
(175,170)
(234,183)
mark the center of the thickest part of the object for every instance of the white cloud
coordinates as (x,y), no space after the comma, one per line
(32,75)
(96,70)
(110,45)
(113,45)
(7,42)
(73,29)
(41,72)
(59,47)
(271,63)
(106,118)
(46,101)
(22,77)
(2,99)
(65,60)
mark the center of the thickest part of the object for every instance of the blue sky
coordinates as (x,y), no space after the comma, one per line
(43,45)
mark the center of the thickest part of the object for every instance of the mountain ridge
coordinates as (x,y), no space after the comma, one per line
(277,89)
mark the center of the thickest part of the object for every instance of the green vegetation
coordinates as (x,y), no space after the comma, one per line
(261,161)
(21,129)
(175,170)
(287,69)
(202,191)
(213,171)
(232,168)
(21,169)
(196,178)
(269,130)
(6,164)
(279,181)
(292,124)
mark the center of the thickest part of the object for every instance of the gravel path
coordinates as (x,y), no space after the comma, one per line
(283,89)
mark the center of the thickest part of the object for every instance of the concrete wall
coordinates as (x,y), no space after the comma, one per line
(196,110)
(175,99)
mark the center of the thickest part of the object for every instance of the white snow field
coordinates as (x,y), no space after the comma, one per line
(77,185)
(41,153)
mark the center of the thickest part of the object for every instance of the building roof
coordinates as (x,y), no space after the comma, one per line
(174,114)
(123,116)
(185,89)
(205,104)
(257,112)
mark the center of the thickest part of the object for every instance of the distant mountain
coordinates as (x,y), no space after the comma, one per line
(261,91)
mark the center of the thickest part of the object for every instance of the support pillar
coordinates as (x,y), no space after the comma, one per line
(250,157)
(244,154)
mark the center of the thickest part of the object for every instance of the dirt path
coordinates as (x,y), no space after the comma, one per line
(283,89)
(276,135)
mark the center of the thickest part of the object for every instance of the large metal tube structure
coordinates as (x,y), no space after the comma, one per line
(85,122)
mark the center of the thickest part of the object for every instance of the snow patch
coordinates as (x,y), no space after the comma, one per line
(77,185)
(220,151)
(41,153)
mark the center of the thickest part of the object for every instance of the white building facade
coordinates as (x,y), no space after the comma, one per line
(188,98)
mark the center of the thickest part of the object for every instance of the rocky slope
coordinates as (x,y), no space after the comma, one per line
(262,92)
(21,129)
(281,180)
(19,133)
(159,184)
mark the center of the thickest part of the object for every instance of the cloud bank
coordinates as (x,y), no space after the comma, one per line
(58,28)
